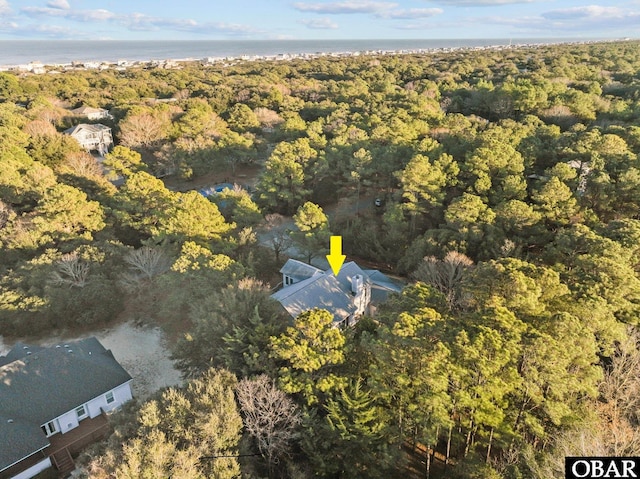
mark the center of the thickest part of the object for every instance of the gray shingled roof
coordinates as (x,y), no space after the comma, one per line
(325,291)
(18,351)
(20,439)
(299,270)
(38,387)
(383,280)
(381,286)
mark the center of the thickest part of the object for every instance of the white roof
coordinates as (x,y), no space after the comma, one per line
(86,110)
(95,128)
(322,290)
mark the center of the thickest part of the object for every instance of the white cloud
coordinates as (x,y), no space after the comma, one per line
(77,15)
(589,11)
(383,10)
(410,13)
(319,24)
(41,30)
(345,7)
(431,25)
(138,21)
(5,8)
(480,3)
(576,20)
(61,4)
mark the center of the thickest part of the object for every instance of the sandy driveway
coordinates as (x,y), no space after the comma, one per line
(140,350)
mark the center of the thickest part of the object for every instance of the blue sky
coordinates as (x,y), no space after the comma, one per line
(316,19)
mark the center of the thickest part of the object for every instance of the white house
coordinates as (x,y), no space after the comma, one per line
(53,402)
(347,296)
(92,113)
(95,137)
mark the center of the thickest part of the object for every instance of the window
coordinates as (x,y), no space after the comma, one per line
(81,412)
(109,397)
(50,428)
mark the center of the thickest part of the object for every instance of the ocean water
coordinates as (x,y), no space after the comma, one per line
(16,52)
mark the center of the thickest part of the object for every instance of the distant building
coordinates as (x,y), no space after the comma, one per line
(210,191)
(346,296)
(92,137)
(92,113)
(52,403)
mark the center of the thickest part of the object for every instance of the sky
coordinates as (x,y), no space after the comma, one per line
(316,19)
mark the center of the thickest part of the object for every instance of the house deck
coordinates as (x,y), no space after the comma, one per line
(88,431)
(65,445)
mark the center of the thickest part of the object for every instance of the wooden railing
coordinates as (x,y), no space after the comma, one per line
(87,438)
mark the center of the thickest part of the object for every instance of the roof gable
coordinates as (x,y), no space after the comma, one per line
(322,290)
(86,110)
(86,127)
(299,270)
(382,280)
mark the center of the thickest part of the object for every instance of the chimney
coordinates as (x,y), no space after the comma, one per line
(357,283)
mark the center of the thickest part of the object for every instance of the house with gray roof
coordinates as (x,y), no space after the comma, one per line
(47,395)
(347,296)
(92,113)
(92,137)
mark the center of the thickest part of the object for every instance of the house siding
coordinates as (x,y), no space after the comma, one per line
(34,470)
(121,395)
(67,421)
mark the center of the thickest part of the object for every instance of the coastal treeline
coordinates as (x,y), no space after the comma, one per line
(509,188)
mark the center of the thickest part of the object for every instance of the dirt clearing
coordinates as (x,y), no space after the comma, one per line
(141,350)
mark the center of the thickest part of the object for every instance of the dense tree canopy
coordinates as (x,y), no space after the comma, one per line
(507,184)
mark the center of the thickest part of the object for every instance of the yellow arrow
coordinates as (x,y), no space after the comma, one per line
(336,258)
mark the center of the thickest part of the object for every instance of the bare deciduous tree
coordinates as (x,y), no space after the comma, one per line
(446,275)
(143,130)
(267,118)
(621,383)
(270,416)
(167,161)
(144,264)
(280,237)
(615,429)
(83,164)
(619,405)
(40,128)
(70,271)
